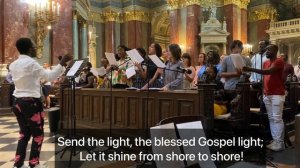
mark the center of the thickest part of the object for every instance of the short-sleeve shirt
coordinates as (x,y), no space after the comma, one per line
(274,84)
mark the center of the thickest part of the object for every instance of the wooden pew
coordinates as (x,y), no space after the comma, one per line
(6,97)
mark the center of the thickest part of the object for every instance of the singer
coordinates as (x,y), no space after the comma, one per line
(28,108)
(189,71)
(274,95)
(258,59)
(172,79)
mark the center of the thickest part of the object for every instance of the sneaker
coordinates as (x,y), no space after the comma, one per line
(40,166)
(277,146)
(270,144)
(23,166)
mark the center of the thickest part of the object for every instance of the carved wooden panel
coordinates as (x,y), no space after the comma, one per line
(165,109)
(96,111)
(119,112)
(186,107)
(86,108)
(106,110)
(133,112)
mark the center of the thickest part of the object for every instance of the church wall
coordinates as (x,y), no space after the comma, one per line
(100,31)
(174,23)
(193,29)
(244,26)
(182,30)
(62,31)
(1,31)
(15,25)
(252,35)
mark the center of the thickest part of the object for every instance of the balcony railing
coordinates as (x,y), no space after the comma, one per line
(285,24)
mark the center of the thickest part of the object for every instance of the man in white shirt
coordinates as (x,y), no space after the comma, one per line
(257,59)
(297,69)
(28,108)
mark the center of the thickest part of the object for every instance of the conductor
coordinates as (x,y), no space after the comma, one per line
(28,108)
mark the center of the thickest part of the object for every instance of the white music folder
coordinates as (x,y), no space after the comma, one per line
(157,61)
(166,131)
(111,58)
(195,130)
(76,66)
(135,56)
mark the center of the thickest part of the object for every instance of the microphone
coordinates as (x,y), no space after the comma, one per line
(183,70)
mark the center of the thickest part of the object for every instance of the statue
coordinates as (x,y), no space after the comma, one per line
(213,12)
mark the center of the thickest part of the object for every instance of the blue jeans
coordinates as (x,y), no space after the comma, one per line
(274,106)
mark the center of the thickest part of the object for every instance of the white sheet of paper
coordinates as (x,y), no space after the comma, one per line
(94,72)
(101,71)
(111,58)
(130,72)
(74,68)
(238,61)
(157,61)
(135,56)
(166,131)
(195,130)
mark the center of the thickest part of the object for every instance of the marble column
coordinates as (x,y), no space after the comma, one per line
(62,31)
(1,32)
(244,25)
(75,37)
(193,29)
(110,36)
(131,34)
(84,43)
(263,25)
(174,25)
(232,22)
(290,52)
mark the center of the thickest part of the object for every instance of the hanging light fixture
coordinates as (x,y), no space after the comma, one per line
(46,13)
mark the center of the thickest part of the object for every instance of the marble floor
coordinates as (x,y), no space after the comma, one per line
(9,136)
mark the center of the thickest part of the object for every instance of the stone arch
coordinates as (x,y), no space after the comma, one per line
(212,47)
(161,28)
(295,57)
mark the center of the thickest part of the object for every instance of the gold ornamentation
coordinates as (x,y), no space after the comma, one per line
(137,15)
(193,2)
(112,16)
(175,4)
(45,15)
(269,13)
(242,4)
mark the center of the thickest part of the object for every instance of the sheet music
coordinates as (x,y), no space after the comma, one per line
(74,68)
(195,130)
(130,72)
(166,131)
(94,72)
(135,56)
(157,61)
(238,61)
(111,58)
(101,71)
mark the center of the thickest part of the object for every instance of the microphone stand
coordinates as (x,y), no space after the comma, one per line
(72,130)
(110,148)
(144,163)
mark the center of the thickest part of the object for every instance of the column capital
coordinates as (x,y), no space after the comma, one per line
(270,13)
(138,16)
(242,4)
(75,17)
(177,4)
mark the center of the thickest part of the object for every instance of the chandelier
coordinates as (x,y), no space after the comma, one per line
(46,13)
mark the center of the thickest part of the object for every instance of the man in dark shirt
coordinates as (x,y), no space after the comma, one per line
(274,95)
(288,68)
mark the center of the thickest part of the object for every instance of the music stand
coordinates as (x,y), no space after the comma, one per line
(112,61)
(71,74)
